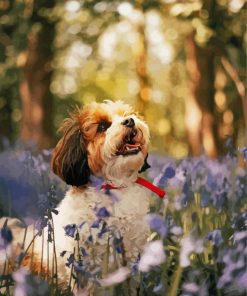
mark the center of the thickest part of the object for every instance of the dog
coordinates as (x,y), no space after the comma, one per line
(105,224)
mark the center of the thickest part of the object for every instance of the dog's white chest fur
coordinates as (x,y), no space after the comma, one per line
(127,207)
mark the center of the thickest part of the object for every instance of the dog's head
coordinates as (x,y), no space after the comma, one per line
(105,139)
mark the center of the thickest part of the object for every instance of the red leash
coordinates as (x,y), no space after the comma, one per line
(143,182)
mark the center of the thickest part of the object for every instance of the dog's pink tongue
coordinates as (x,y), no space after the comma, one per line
(129,147)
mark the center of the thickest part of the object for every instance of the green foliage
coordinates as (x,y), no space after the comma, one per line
(93,51)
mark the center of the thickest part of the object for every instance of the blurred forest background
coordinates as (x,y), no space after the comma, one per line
(182,64)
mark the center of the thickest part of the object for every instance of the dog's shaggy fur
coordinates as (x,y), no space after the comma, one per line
(111,141)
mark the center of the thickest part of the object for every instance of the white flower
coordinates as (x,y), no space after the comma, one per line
(189,245)
(176,230)
(153,255)
(116,277)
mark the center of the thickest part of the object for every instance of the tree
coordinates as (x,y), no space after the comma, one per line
(207,48)
(27,35)
(37,71)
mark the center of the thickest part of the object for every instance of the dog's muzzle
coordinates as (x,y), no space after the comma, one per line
(129,146)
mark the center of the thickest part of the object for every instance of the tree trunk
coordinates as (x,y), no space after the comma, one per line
(34,88)
(200,119)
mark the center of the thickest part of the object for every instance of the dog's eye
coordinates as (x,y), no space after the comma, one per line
(103,126)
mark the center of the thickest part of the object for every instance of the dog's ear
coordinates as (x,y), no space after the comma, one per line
(145,165)
(69,159)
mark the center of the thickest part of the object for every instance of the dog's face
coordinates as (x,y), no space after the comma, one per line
(106,139)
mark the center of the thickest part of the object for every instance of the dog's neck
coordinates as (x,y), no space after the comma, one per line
(140,181)
(124,181)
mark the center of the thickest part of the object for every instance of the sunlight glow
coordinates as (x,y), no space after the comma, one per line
(236,5)
(100,7)
(157,96)
(133,87)
(107,44)
(126,10)
(193,116)
(153,19)
(72,6)
(164,126)
(158,46)
(76,55)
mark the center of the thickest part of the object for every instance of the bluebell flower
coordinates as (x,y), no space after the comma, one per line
(96,181)
(158,288)
(134,265)
(6,236)
(103,229)
(205,198)
(28,284)
(83,252)
(215,237)
(239,222)
(117,243)
(70,230)
(70,260)
(167,173)
(243,150)
(79,267)
(63,253)
(230,147)
(111,195)
(95,224)
(157,223)
(103,213)
(27,178)
(187,194)
(234,261)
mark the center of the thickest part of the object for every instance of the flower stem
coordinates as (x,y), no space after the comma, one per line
(176,281)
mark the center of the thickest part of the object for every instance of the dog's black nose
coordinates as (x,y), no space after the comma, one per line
(129,122)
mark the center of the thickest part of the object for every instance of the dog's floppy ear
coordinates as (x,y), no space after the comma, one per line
(145,166)
(69,159)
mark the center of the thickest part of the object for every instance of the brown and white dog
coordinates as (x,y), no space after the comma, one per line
(108,140)
(111,141)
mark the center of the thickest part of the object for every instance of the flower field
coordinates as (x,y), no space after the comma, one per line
(197,243)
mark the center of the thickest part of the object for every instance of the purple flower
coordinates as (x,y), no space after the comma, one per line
(70,230)
(242,280)
(103,213)
(83,252)
(215,237)
(6,235)
(95,224)
(157,223)
(70,260)
(80,268)
(96,181)
(63,253)
(111,195)
(169,173)
(158,288)
(103,229)
(117,242)
(243,150)
(28,284)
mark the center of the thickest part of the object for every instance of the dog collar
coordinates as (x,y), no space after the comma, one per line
(141,181)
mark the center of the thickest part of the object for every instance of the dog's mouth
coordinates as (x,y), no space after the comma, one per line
(129,146)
